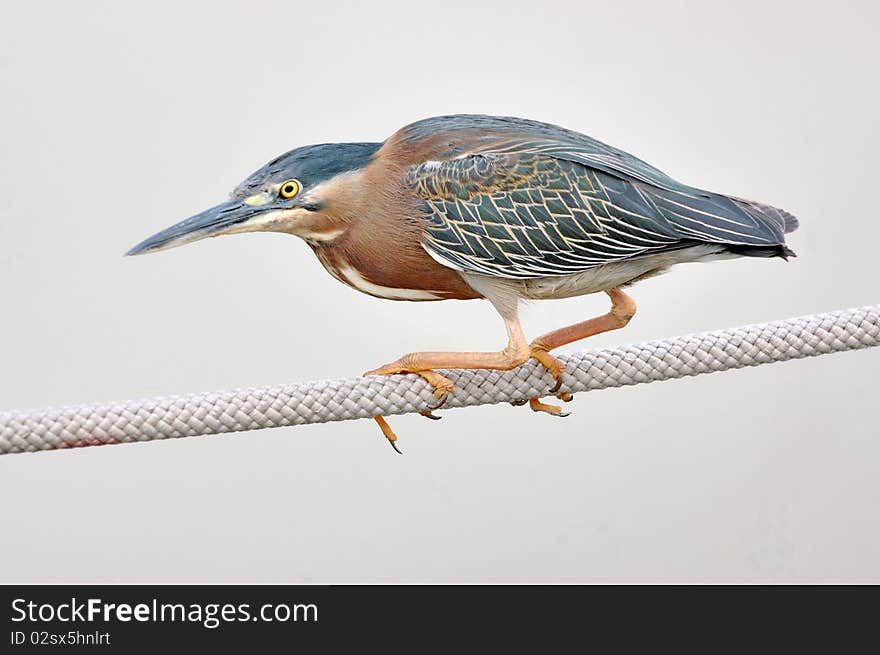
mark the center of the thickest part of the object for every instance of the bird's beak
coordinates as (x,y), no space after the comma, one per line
(221,219)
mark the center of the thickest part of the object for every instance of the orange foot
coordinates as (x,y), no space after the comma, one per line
(442,386)
(623,308)
(425,364)
(549,362)
(556,368)
(536,405)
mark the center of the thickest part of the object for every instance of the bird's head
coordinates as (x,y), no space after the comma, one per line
(293,193)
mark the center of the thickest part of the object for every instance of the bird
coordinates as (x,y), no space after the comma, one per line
(503,209)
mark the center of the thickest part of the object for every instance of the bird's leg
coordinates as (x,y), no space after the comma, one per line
(623,308)
(515,353)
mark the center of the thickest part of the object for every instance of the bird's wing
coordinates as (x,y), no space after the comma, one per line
(538,208)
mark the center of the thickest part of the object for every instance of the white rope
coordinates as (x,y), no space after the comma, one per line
(352,398)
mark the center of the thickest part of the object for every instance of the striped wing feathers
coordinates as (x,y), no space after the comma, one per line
(536,212)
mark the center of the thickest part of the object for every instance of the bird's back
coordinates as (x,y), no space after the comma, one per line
(516,198)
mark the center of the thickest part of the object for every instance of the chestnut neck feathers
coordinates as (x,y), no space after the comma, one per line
(368,234)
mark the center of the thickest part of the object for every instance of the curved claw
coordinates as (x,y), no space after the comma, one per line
(553,410)
(553,365)
(518,403)
(442,385)
(388,432)
(427,414)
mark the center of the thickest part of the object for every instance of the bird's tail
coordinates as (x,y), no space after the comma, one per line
(788,222)
(779,218)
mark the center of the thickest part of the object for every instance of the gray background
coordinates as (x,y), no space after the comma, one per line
(119,120)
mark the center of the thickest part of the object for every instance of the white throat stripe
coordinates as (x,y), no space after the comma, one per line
(358,281)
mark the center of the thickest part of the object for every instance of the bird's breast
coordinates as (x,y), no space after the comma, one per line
(394,274)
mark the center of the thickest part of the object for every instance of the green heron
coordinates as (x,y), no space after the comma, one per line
(469,206)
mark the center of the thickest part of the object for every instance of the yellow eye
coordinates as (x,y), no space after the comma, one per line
(289,189)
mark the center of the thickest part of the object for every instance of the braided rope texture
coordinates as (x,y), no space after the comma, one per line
(362,397)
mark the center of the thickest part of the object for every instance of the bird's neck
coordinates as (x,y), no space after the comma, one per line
(376,233)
